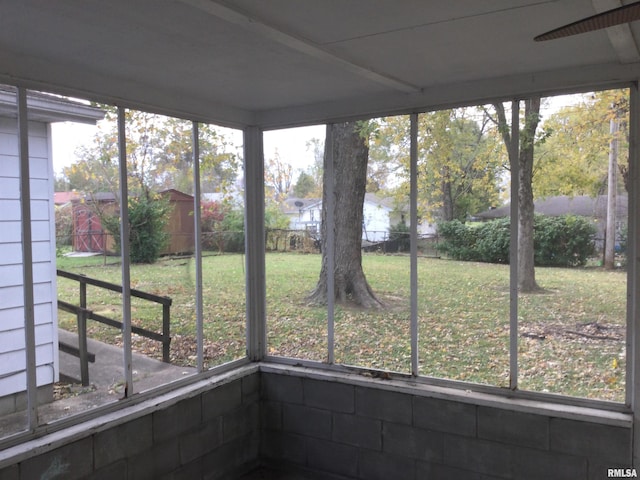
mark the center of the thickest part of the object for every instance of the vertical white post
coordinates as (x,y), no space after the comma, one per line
(514,149)
(330,244)
(255,243)
(27,260)
(413,233)
(197,227)
(124,253)
(633,271)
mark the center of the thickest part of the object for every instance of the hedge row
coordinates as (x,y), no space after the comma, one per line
(565,241)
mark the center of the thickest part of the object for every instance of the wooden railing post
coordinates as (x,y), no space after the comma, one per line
(166,332)
(82,346)
(83,292)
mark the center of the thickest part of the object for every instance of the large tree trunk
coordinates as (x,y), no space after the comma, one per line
(526,266)
(350,154)
(447,196)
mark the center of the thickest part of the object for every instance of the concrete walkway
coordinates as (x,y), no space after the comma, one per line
(106,376)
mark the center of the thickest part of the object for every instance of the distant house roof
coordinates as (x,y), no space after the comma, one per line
(581,205)
(62,198)
(387,202)
(293,205)
(176,195)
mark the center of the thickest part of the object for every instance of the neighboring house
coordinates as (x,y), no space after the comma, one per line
(379,215)
(304,214)
(43,110)
(594,208)
(90,236)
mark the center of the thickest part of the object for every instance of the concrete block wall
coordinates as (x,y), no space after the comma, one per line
(212,434)
(368,430)
(335,425)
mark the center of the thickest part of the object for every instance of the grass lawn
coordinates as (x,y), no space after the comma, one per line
(571,337)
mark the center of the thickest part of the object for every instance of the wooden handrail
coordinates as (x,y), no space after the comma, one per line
(81,310)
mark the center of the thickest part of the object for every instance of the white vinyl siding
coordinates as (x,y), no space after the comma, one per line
(12,338)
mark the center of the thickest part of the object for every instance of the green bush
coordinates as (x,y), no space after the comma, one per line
(565,241)
(493,239)
(459,240)
(147,222)
(400,233)
(233,227)
(64,225)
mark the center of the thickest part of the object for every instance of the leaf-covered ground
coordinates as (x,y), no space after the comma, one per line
(571,337)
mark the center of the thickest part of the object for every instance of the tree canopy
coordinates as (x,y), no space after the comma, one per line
(159,156)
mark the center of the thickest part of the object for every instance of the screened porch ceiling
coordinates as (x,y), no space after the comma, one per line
(281,63)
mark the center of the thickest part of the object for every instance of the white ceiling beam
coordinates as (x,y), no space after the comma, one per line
(302,45)
(620,36)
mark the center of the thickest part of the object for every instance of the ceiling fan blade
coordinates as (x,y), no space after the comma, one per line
(610,18)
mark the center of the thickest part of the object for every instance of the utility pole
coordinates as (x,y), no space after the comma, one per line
(612,190)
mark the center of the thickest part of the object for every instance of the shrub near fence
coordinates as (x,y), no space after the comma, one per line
(564,241)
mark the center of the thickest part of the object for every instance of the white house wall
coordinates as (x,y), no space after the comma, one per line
(376,222)
(12,338)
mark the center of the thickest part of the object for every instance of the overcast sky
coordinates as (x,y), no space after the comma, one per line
(289,143)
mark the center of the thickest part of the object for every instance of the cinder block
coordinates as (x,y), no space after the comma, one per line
(333,396)
(406,441)
(446,472)
(515,428)
(241,422)
(479,456)
(178,419)
(332,457)
(110,472)
(230,458)
(271,415)
(204,440)
(283,447)
(306,421)
(357,431)
(536,464)
(10,473)
(376,466)
(71,462)
(220,400)
(598,470)
(606,443)
(125,440)
(444,416)
(251,388)
(190,471)
(281,388)
(161,460)
(383,405)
